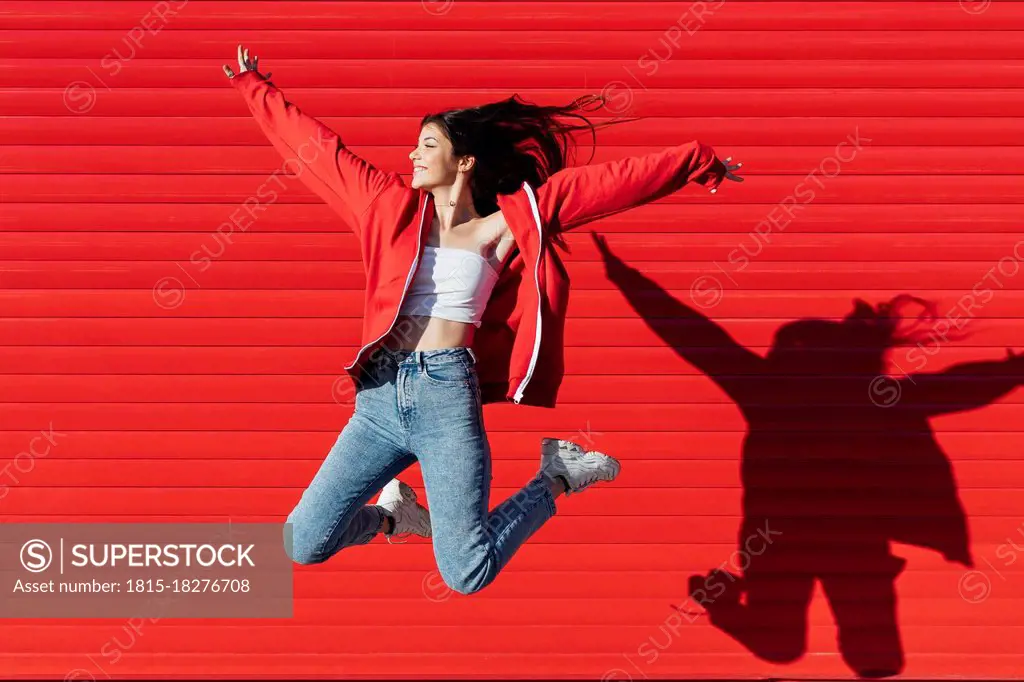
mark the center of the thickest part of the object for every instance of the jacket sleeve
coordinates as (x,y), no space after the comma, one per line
(346,182)
(575,196)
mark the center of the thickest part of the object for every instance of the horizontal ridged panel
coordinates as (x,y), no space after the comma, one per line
(589,303)
(690,390)
(298,332)
(818,513)
(108,216)
(216,160)
(477,16)
(233,191)
(570,530)
(612,416)
(695,665)
(663,444)
(635,246)
(283,360)
(936,129)
(519,44)
(158,102)
(233,275)
(215,399)
(980,477)
(550,73)
(549,639)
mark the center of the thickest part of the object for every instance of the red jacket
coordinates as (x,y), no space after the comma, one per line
(519,344)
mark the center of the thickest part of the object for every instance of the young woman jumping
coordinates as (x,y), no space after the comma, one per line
(465,305)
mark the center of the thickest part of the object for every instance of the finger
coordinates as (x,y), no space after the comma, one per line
(241,62)
(245,53)
(228,71)
(256,64)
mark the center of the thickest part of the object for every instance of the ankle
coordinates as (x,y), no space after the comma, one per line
(387,524)
(557,485)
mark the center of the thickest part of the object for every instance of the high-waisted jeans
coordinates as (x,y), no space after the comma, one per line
(425,406)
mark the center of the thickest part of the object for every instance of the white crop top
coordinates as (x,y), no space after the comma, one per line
(453,284)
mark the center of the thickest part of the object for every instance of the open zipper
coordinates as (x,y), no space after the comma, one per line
(536,279)
(518,396)
(408,280)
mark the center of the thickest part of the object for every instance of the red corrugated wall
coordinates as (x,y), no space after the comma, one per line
(881,150)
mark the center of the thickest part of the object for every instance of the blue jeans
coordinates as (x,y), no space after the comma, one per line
(418,405)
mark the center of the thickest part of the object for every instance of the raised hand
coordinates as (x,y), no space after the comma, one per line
(729,175)
(244,63)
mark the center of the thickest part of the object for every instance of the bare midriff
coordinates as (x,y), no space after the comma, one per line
(419,332)
(424,332)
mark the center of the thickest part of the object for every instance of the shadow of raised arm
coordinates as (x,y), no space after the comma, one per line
(964,386)
(699,340)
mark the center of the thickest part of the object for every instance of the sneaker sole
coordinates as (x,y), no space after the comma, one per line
(616,468)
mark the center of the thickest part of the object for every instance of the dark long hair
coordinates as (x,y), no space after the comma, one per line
(515,141)
(861,340)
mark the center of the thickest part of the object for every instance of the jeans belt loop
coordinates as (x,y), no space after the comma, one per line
(471,354)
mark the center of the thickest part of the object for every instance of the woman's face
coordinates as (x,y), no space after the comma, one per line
(434,165)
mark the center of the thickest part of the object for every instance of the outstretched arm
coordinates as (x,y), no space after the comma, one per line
(964,386)
(346,182)
(575,196)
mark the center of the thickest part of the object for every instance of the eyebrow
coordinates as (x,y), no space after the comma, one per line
(430,137)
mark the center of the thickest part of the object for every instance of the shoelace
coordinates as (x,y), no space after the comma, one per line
(396,535)
(400,536)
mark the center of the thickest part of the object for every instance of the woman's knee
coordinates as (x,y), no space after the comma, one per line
(468,573)
(467,584)
(299,544)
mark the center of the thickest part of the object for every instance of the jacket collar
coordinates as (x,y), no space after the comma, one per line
(521,213)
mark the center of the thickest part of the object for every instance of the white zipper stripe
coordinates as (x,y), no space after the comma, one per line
(408,279)
(536,278)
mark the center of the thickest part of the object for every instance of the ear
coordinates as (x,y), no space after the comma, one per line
(466,163)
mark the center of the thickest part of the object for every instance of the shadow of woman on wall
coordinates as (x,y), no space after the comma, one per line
(838,461)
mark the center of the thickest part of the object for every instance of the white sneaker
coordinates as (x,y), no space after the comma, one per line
(580,468)
(398,500)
